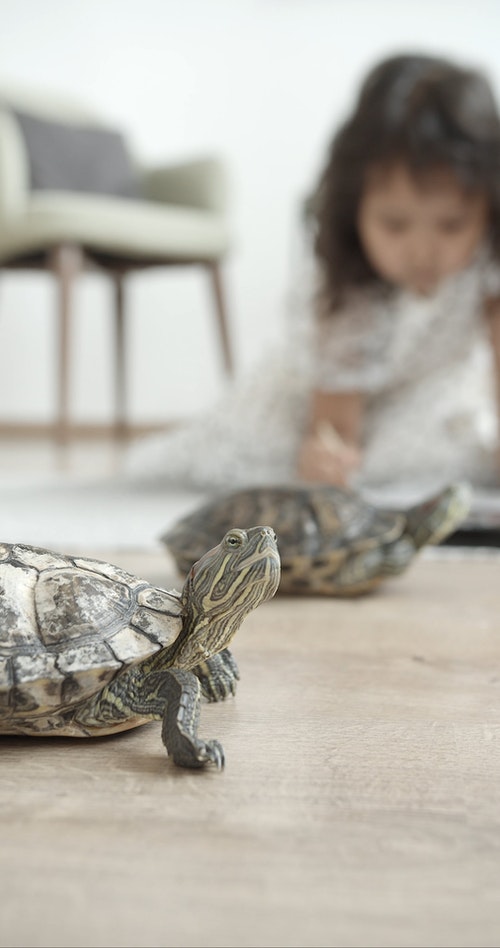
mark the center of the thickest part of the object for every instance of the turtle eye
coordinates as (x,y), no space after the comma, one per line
(234,538)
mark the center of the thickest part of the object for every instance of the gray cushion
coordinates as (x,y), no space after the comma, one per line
(68,157)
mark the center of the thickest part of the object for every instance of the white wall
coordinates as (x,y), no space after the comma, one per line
(263,82)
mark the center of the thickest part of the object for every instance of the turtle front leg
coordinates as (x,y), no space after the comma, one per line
(182,690)
(171,695)
(218,676)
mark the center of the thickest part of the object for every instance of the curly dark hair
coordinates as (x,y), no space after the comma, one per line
(422,110)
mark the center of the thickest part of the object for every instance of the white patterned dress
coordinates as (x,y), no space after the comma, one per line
(424,366)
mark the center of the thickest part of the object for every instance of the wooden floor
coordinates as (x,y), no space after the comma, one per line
(360,804)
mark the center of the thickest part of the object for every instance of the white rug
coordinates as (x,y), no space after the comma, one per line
(68,515)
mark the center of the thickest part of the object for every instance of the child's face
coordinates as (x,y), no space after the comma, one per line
(414,231)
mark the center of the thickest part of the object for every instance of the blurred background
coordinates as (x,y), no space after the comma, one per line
(259,83)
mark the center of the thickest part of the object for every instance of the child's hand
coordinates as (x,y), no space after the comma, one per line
(325,458)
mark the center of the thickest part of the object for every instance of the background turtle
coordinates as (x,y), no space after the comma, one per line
(87,649)
(331,541)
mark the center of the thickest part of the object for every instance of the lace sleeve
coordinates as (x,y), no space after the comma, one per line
(350,351)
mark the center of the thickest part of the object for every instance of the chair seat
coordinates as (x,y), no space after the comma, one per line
(140,230)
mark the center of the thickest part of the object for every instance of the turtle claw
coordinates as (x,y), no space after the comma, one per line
(212,752)
(198,754)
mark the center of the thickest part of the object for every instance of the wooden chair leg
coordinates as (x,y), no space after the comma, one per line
(221,314)
(66,262)
(120,353)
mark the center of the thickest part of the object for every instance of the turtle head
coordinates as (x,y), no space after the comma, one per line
(222,587)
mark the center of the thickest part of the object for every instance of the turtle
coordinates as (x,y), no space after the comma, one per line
(332,541)
(88,649)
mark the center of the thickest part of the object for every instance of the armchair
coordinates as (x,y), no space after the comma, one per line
(71,197)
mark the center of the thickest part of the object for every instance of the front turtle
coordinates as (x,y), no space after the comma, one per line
(87,649)
(332,542)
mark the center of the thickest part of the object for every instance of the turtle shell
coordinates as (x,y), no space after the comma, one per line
(68,625)
(310,523)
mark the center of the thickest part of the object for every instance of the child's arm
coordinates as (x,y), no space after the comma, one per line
(330,450)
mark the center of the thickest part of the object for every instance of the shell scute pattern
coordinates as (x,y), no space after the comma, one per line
(343,520)
(36,557)
(129,645)
(68,625)
(18,624)
(6,680)
(152,625)
(115,573)
(38,681)
(70,603)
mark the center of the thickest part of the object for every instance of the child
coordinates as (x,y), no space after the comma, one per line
(406,330)
(407,242)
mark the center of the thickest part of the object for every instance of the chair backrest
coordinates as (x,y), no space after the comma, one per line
(50,141)
(14,161)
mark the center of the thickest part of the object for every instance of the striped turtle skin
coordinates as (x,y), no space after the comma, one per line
(332,542)
(88,649)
